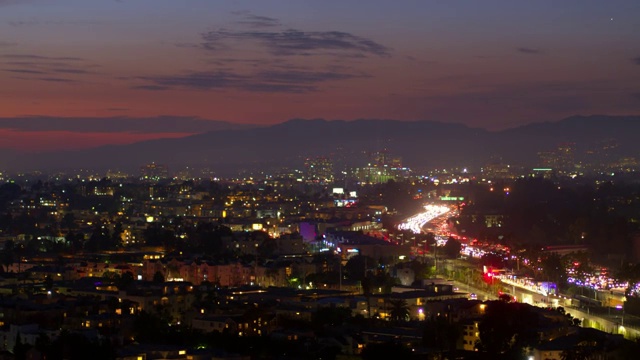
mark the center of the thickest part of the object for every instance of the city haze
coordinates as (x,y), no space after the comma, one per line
(489,65)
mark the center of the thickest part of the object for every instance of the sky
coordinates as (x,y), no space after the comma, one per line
(79,73)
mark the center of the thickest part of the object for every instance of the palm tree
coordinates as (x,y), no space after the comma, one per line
(399,310)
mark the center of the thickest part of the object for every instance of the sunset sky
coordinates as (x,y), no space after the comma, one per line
(159,68)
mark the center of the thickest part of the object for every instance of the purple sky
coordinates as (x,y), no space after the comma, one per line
(491,64)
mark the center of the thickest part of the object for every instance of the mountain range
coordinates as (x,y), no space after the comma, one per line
(419,143)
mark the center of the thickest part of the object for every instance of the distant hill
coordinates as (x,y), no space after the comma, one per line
(419,143)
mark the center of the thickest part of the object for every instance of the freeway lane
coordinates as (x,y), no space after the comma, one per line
(418,221)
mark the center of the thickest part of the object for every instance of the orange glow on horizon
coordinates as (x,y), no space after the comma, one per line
(36,141)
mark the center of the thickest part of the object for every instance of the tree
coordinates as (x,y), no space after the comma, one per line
(8,254)
(331,316)
(77,346)
(587,348)
(20,349)
(507,327)
(452,248)
(68,221)
(554,269)
(116,236)
(399,310)
(267,248)
(356,267)
(42,343)
(75,241)
(125,281)
(158,277)
(439,333)
(422,269)
(100,238)
(48,283)
(389,350)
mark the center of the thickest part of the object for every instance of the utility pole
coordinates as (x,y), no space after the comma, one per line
(435,256)
(340,272)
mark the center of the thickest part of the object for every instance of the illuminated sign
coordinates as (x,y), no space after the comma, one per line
(345,203)
(451,198)
(256,227)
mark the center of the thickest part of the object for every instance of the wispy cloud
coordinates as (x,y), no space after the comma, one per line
(273,64)
(25,71)
(33,64)
(150,87)
(530,51)
(295,42)
(118,124)
(7,43)
(255,21)
(58,80)
(70,71)
(32,22)
(40,57)
(263,81)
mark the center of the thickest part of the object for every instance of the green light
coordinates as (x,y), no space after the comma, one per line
(451,198)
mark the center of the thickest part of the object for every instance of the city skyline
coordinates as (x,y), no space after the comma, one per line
(490,65)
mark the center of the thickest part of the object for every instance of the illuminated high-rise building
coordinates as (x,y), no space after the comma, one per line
(561,160)
(497,170)
(319,169)
(154,172)
(566,157)
(381,169)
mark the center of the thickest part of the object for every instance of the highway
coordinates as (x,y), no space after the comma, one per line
(417,222)
(613,318)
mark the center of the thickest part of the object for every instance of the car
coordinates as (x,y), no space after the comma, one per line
(473,296)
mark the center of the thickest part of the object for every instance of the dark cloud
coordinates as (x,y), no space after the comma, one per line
(150,87)
(295,81)
(196,80)
(295,42)
(25,71)
(161,124)
(529,51)
(270,69)
(70,71)
(278,88)
(256,21)
(21,23)
(7,43)
(227,61)
(305,77)
(58,80)
(31,64)
(636,60)
(21,63)
(40,57)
